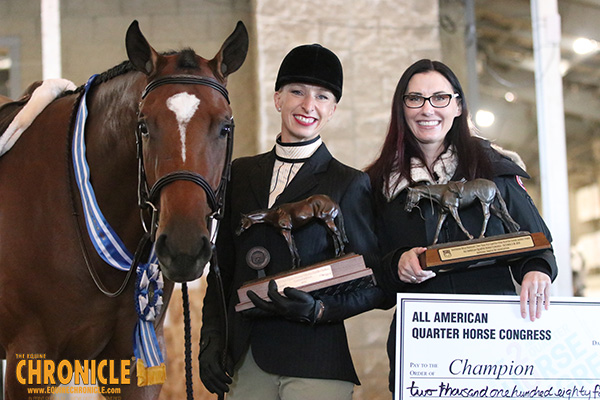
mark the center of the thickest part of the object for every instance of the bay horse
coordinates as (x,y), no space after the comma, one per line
(455,195)
(290,216)
(158,134)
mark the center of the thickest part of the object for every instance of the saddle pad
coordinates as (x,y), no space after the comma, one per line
(20,115)
(9,110)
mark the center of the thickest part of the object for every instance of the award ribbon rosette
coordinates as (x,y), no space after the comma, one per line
(150,364)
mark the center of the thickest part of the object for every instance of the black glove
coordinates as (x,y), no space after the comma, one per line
(216,369)
(257,313)
(296,305)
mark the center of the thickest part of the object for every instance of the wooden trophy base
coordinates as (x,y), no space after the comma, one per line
(480,252)
(337,275)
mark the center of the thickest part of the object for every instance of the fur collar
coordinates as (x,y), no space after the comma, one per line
(442,170)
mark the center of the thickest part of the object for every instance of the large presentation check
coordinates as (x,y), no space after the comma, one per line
(479,347)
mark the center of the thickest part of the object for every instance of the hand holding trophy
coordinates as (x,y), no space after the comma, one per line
(453,196)
(344,272)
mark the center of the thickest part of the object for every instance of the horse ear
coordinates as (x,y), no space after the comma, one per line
(232,54)
(139,51)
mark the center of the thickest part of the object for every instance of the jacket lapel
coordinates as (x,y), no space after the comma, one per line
(307,177)
(260,180)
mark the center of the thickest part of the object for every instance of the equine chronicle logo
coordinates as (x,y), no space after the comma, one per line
(36,369)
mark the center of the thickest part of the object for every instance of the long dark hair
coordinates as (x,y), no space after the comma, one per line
(400,144)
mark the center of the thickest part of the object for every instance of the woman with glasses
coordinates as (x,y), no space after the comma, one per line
(430,141)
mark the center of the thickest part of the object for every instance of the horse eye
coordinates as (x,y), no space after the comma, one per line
(225,131)
(143,128)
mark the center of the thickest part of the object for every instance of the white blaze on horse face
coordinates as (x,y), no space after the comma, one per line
(184,105)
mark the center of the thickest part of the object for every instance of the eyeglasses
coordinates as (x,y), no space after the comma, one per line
(440,100)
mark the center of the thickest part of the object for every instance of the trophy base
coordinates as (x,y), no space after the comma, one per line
(480,252)
(341,274)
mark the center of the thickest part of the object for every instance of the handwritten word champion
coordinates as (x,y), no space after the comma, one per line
(464,367)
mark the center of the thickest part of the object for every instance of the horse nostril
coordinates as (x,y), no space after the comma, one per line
(206,249)
(162,247)
(166,247)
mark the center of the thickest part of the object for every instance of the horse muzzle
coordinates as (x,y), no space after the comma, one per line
(182,264)
(179,223)
(182,242)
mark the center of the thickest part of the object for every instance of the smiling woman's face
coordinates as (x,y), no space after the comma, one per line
(428,124)
(305,110)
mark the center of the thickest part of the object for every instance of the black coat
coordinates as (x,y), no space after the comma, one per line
(280,346)
(399,231)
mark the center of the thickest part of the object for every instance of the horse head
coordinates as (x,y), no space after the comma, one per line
(412,199)
(245,223)
(247,220)
(185,133)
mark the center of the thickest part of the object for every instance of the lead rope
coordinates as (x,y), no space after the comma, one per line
(187,334)
(217,271)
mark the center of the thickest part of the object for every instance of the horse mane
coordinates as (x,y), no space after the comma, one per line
(122,68)
(186,60)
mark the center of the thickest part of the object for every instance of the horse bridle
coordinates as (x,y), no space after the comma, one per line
(148,198)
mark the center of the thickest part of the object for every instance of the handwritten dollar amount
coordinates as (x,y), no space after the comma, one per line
(445,390)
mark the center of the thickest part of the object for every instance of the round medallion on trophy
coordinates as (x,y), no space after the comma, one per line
(258,257)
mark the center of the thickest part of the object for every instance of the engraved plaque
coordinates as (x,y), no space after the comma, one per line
(471,253)
(336,275)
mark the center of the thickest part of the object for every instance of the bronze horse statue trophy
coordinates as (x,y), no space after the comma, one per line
(290,216)
(59,300)
(455,195)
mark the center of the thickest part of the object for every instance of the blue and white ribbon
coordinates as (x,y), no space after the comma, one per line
(111,249)
(149,289)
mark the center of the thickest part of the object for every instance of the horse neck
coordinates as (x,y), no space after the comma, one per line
(113,107)
(263,216)
(435,192)
(429,193)
(111,150)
